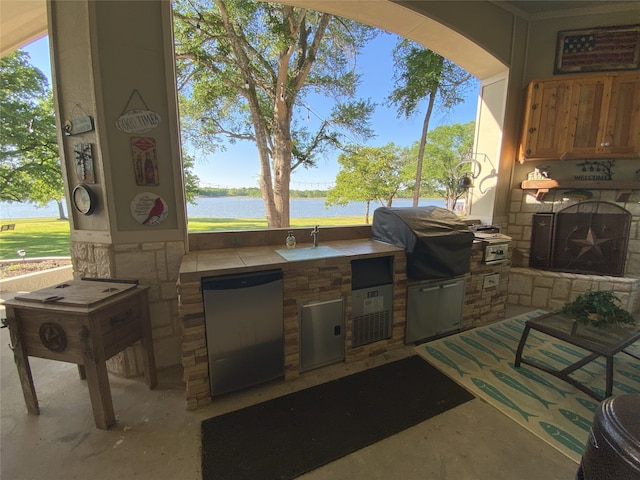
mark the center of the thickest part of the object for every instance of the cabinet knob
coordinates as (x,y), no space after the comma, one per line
(532,129)
(534,106)
(605,144)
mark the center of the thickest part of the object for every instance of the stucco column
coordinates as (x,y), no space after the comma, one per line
(115,93)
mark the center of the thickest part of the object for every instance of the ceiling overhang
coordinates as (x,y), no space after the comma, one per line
(21,22)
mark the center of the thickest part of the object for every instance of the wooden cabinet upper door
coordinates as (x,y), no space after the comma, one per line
(586,114)
(620,125)
(546,119)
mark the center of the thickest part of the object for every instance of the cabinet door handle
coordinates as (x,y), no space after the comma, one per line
(605,144)
(422,290)
(449,285)
(532,129)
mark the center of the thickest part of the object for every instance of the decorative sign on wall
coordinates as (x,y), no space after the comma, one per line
(78,125)
(145,160)
(149,209)
(595,170)
(83,159)
(598,49)
(137,120)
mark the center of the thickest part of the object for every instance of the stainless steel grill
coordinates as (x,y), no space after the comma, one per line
(496,247)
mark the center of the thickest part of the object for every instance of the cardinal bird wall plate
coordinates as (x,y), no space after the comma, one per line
(149,209)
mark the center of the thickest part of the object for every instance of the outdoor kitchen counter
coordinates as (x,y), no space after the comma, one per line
(312,280)
(222,261)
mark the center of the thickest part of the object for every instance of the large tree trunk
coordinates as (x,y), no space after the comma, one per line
(423,142)
(423,139)
(61,214)
(282,152)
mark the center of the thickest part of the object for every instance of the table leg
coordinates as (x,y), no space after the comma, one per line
(81,372)
(95,368)
(148,358)
(609,381)
(523,340)
(24,369)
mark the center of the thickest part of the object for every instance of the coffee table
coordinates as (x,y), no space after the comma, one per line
(600,342)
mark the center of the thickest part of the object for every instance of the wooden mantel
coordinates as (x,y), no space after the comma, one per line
(623,187)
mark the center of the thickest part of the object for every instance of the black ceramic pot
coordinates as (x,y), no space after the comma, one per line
(613,449)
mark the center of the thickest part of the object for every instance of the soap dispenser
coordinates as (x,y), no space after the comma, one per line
(291,240)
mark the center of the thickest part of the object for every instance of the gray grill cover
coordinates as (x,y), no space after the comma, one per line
(437,242)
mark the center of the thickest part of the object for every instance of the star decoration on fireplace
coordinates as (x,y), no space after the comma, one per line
(590,242)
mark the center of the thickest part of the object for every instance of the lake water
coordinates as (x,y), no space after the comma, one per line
(230,207)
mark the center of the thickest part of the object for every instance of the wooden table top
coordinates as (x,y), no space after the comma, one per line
(76,293)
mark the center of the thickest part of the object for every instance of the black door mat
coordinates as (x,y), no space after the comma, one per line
(290,435)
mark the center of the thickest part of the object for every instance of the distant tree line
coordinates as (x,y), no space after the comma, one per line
(255,192)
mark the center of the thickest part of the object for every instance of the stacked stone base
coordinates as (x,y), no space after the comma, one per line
(550,290)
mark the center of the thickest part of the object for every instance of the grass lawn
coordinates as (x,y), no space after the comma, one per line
(49,237)
(38,237)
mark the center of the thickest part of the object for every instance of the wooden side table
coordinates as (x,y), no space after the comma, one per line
(81,322)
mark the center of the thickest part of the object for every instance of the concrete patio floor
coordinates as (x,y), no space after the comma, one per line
(156,438)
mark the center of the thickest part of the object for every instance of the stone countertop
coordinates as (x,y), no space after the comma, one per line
(222,261)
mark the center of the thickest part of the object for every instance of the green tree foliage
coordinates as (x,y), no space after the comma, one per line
(29,156)
(370,173)
(254,192)
(420,73)
(244,71)
(446,150)
(191,180)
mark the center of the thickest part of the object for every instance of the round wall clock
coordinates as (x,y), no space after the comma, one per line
(84,200)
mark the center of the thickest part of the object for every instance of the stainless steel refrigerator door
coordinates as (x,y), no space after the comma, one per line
(434,309)
(245,334)
(321,334)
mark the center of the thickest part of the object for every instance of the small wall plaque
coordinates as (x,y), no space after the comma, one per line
(149,209)
(145,160)
(78,125)
(83,158)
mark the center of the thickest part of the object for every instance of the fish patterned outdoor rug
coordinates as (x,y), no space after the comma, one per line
(481,360)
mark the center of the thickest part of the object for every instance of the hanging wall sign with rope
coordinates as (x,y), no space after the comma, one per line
(137,121)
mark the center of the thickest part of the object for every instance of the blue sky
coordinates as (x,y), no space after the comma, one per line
(238,165)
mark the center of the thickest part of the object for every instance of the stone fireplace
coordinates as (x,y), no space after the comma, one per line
(590,234)
(589,237)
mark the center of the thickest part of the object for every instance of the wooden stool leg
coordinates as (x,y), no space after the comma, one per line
(95,368)
(24,369)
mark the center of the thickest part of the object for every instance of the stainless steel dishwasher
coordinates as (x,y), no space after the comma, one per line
(244,329)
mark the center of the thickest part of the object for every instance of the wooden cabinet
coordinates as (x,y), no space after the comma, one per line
(621,127)
(586,116)
(546,119)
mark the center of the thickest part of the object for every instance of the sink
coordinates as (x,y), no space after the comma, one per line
(308,253)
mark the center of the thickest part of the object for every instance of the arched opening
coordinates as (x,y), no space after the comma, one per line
(419,23)
(407,20)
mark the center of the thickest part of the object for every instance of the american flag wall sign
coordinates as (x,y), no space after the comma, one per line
(598,49)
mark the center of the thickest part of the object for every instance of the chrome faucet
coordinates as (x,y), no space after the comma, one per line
(314,233)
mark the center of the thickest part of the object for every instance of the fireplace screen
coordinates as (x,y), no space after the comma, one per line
(588,237)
